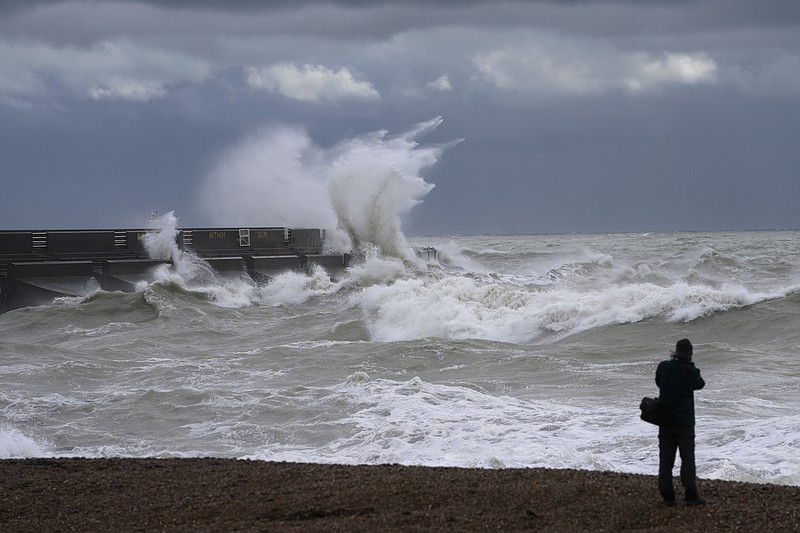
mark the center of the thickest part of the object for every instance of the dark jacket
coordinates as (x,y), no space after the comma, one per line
(677,379)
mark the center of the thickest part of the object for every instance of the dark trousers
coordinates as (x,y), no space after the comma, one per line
(670,440)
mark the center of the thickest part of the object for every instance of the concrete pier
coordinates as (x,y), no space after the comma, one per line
(38,266)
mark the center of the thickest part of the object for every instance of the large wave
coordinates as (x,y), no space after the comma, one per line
(543,297)
(358,190)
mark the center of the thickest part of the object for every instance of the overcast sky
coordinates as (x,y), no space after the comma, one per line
(576,116)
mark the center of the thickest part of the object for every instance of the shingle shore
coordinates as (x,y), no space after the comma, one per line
(233,495)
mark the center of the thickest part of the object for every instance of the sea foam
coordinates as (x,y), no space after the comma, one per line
(15,445)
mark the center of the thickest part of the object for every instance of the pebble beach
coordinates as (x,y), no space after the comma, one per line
(72,494)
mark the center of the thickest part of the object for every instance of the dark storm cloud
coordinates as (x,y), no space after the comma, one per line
(617,20)
(578,166)
(255,5)
(578,116)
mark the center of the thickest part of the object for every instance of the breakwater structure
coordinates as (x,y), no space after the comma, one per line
(38,266)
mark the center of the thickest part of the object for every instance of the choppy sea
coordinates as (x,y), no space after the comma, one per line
(503,351)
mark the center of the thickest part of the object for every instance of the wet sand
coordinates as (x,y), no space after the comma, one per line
(232,495)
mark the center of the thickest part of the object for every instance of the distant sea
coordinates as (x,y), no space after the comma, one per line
(502,351)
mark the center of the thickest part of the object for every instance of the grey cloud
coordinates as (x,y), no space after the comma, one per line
(310,83)
(66,22)
(496,42)
(109,109)
(120,69)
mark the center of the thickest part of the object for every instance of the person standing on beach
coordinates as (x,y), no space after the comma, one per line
(677,379)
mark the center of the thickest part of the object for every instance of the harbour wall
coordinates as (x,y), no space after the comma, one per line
(38,266)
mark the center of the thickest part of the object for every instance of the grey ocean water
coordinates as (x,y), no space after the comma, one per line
(509,351)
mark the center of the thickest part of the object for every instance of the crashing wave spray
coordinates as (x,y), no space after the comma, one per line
(189,271)
(357,190)
(375,180)
(161,243)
